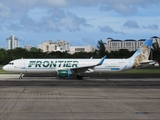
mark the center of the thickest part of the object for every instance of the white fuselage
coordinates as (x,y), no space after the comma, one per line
(52,65)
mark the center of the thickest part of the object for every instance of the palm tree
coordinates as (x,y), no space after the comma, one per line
(101,47)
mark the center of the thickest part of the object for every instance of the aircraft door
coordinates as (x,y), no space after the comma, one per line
(22,66)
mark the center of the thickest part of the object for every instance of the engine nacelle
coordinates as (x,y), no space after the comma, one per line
(63,73)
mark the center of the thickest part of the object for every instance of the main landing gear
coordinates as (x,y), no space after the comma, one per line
(79,77)
(21,76)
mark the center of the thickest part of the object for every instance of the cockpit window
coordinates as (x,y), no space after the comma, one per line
(11,63)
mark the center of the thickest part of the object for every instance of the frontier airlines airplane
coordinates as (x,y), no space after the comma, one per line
(75,67)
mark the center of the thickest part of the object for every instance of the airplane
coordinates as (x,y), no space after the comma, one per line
(75,67)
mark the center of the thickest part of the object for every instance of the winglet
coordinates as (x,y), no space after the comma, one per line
(101,62)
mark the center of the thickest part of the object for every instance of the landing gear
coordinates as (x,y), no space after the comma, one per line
(21,76)
(79,77)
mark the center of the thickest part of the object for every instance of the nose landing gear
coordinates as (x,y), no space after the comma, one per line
(21,76)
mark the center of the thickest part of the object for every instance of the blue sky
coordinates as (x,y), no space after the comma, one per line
(80,22)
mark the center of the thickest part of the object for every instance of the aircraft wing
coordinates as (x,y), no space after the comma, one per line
(87,69)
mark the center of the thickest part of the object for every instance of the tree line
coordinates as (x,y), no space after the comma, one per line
(7,55)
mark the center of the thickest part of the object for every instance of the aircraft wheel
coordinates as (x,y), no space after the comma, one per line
(79,77)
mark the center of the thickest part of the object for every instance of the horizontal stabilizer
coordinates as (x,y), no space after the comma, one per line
(146,63)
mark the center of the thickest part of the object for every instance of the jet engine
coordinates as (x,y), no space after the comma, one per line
(63,73)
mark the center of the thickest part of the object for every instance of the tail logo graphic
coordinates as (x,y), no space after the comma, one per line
(143,56)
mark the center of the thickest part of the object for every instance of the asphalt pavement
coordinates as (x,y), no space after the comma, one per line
(51,98)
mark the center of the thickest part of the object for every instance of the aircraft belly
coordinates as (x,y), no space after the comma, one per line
(40,71)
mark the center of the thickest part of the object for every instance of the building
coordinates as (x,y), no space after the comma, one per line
(12,42)
(156,39)
(74,49)
(49,46)
(129,44)
(116,45)
(28,47)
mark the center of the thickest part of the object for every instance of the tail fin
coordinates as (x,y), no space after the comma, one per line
(142,54)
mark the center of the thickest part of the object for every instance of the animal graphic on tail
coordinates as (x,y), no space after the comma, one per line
(142,56)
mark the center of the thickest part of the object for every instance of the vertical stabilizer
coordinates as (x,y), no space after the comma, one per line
(142,54)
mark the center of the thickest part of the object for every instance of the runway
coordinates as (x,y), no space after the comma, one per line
(48,98)
(12,80)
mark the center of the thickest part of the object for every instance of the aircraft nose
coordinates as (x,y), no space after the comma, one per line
(5,68)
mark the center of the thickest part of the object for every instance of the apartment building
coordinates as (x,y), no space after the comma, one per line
(74,49)
(28,47)
(130,44)
(59,45)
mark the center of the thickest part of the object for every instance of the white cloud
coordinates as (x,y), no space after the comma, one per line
(56,21)
(109,30)
(125,7)
(5,11)
(131,24)
(89,18)
(73,23)
(53,3)
(151,27)
(120,8)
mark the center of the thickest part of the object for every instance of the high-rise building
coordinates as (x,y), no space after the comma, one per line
(12,42)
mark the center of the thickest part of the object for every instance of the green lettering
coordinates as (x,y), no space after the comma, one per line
(75,64)
(68,64)
(38,64)
(64,65)
(53,63)
(60,62)
(45,64)
(31,63)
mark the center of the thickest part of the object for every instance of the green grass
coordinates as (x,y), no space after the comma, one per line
(1,66)
(145,70)
(140,71)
